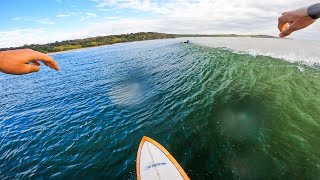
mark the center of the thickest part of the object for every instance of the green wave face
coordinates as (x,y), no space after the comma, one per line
(222,115)
(261,115)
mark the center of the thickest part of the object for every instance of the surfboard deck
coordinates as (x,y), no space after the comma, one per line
(155,162)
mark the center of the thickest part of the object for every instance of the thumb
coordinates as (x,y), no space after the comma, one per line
(32,68)
(287,31)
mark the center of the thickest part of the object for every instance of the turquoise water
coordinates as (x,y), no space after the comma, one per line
(221,114)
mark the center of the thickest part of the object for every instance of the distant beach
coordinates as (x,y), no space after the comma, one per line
(66,46)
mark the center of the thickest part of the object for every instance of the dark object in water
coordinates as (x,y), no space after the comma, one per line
(186,41)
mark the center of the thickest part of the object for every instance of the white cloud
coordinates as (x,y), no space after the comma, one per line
(208,16)
(88,16)
(20,37)
(68,13)
(63,15)
(179,16)
(105,9)
(16,18)
(43,21)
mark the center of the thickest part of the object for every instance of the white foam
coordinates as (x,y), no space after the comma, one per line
(296,51)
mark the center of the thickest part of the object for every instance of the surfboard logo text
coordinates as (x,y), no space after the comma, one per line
(155,165)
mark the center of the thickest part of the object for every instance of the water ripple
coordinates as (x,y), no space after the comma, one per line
(221,114)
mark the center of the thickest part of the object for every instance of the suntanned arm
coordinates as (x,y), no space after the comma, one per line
(24,61)
(298,19)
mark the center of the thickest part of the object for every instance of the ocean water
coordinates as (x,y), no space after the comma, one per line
(223,111)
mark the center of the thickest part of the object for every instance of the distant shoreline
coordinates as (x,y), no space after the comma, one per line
(71,50)
(77,44)
(224,35)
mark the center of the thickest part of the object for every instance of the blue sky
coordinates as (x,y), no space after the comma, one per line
(61,15)
(41,21)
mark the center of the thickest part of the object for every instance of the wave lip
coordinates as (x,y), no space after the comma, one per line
(295,51)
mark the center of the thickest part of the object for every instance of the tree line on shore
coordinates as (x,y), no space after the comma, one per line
(113,39)
(92,42)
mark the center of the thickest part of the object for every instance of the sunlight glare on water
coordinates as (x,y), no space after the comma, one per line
(129,94)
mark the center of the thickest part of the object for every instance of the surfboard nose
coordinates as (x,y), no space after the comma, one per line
(155,162)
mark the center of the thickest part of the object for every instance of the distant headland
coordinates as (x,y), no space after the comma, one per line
(113,39)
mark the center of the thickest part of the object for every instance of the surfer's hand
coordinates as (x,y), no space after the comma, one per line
(293,21)
(24,61)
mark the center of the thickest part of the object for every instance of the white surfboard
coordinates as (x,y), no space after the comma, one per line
(154,162)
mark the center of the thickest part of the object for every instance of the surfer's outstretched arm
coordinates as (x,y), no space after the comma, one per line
(24,61)
(298,19)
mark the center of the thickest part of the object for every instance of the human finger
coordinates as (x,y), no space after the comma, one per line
(25,69)
(32,68)
(49,64)
(287,31)
(282,21)
(36,63)
(53,65)
(47,60)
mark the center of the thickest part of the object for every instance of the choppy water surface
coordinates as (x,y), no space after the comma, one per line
(223,115)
